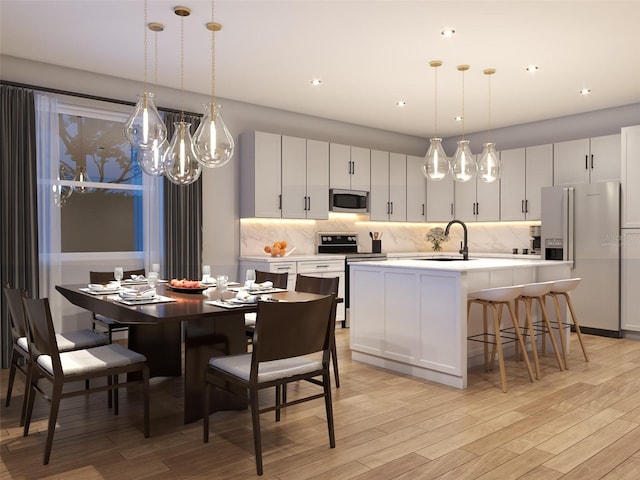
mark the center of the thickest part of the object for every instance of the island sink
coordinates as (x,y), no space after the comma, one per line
(446,259)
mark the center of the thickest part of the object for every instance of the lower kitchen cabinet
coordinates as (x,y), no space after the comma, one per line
(630,301)
(327,268)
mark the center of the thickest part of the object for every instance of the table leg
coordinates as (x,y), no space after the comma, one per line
(161,344)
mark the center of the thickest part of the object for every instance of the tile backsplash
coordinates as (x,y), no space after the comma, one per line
(492,237)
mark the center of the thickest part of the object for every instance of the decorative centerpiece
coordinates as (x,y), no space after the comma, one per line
(436,236)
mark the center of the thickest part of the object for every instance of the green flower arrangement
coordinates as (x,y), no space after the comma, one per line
(436,236)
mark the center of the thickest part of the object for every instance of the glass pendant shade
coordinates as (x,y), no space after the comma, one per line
(82,177)
(145,129)
(489,166)
(464,166)
(180,160)
(214,143)
(436,164)
(152,161)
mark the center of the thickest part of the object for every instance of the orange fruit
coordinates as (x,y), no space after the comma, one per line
(275,251)
(283,250)
(267,249)
(283,244)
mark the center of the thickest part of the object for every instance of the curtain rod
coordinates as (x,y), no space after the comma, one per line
(87,96)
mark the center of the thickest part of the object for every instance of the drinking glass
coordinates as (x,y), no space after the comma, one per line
(206,274)
(156,268)
(152,279)
(250,279)
(221,284)
(118,273)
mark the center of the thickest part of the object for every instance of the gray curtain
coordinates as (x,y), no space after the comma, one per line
(182,217)
(19,210)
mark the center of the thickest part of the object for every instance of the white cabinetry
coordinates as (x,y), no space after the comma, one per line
(416,190)
(631,177)
(440,200)
(327,268)
(349,167)
(305,178)
(476,200)
(388,186)
(630,279)
(587,160)
(524,173)
(261,181)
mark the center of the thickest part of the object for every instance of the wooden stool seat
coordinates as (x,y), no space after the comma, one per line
(496,299)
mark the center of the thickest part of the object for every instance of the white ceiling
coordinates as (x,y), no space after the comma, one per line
(369,54)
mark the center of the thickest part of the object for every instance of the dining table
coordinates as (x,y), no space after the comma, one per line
(179,334)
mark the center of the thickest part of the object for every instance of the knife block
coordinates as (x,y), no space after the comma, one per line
(376,246)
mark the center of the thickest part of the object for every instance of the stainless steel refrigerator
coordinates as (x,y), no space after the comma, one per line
(581,224)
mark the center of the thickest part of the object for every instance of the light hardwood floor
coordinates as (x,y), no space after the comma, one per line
(583,423)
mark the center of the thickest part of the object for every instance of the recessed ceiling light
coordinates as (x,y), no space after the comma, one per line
(448,32)
(458,118)
(400,103)
(585,91)
(316,82)
(532,68)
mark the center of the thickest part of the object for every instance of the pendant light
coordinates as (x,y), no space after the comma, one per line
(181,160)
(145,129)
(489,166)
(82,177)
(463,165)
(436,165)
(214,143)
(151,161)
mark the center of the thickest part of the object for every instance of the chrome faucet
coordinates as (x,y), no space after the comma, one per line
(464,246)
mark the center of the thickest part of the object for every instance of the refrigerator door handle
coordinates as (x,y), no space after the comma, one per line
(569,224)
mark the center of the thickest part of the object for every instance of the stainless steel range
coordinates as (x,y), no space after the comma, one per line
(345,244)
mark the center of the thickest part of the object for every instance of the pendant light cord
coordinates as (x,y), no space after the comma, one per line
(489,108)
(182,69)
(462,104)
(213,63)
(145,46)
(435,101)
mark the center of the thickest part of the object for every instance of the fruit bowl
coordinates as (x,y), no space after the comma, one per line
(278,249)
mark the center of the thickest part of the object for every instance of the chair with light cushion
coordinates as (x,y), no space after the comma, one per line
(496,299)
(60,369)
(110,324)
(288,342)
(65,341)
(279,280)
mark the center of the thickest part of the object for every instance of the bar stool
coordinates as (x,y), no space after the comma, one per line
(497,298)
(531,292)
(562,288)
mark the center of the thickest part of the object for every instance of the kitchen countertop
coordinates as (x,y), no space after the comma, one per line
(291,258)
(462,265)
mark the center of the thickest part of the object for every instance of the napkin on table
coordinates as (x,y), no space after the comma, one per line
(244,296)
(98,287)
(265,285)
(137,293)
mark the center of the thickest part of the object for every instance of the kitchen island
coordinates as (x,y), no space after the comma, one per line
(410,316)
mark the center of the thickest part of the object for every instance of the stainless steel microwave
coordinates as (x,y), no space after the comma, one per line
(353,201)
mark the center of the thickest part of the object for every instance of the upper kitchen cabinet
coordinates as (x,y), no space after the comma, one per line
(305,178)
(388,198)
(349,167)
(631,177)
(416,190)
(440,200)
(477,201)
(524,172)
(260,175)
(587,160)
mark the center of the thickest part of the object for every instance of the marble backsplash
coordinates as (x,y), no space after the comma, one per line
(490,237)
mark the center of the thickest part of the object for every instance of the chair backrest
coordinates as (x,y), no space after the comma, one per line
(106,277)
(16,312)
(319,285)
(292,329)
(279,279)
(42,335)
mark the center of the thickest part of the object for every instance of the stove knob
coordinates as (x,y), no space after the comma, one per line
(324,239)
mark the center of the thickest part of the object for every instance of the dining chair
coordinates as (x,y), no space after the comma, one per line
(60,369)
(279,280)
(110,324)
(287,333)
(20,359)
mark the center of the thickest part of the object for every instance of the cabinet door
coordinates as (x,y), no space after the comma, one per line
(512,185)
(605,158)
(360,168)
(630,279)
(397,187)
(379,196)
(465,199)
(631,177)
(282,267)
(317,180)
(539,173)
(268,180)
(416,190)
(571,162)
(487,201)
(339,166)
(294,174)
(440,200)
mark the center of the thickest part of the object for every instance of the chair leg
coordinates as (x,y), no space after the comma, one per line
(145,394)
(56,395)
(556,304)
(329,409)
(498,344)
(205,412)
(575,324)
(278,400)
(547,328)
(520,341)
(32,382)
(532,337)
(334,358)
(255,418)
(115,395)
(27,390)
(12,375)
(109,393)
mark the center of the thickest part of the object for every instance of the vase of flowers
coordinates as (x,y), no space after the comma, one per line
(436,236)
